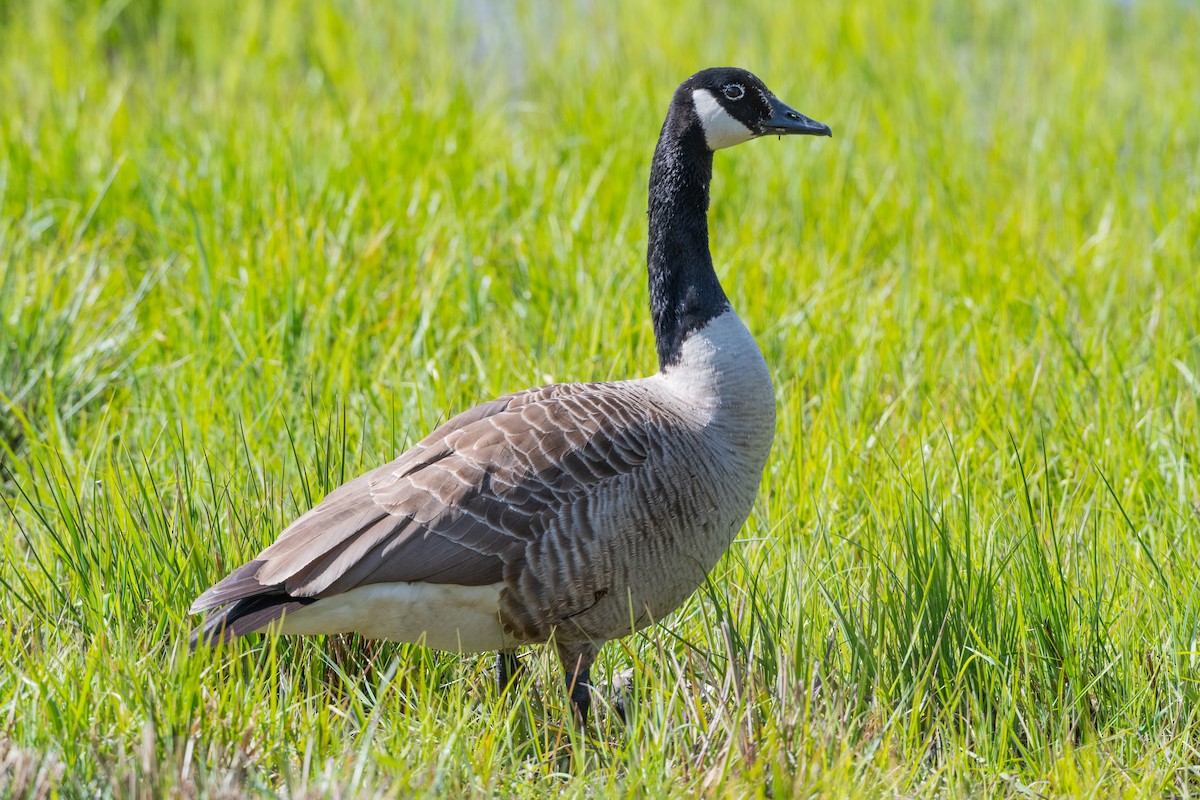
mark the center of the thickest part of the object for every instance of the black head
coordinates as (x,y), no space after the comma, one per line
(733,106)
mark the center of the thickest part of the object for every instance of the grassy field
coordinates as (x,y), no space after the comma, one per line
(247,251)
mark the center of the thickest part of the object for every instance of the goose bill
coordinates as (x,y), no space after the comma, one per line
(785,121)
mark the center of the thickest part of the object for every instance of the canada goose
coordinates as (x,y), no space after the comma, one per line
(567,511)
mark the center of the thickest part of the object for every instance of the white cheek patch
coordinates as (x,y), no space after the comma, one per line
(721,129)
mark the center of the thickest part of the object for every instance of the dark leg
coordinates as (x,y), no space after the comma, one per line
(508,666)
(579,686)
(577,659)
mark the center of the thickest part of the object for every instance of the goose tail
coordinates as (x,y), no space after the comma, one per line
(238,605)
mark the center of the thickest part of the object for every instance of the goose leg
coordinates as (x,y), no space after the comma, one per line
(508,666)
(579,686)
(577,659)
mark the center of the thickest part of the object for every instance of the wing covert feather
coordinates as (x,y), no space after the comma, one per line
(466,499)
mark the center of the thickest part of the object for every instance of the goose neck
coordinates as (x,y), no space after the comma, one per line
(685,293)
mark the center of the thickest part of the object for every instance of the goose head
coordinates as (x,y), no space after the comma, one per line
(733,106)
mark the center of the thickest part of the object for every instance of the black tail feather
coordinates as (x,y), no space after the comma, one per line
(247,615)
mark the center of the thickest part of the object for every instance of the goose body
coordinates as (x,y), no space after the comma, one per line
(572,512)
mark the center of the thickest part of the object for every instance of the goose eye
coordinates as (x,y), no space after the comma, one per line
(734,91)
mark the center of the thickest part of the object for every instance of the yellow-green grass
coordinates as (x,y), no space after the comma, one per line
(248,250)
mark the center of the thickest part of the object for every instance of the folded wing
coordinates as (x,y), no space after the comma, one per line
(454,509)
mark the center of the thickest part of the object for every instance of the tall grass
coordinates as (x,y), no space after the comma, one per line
(247,251)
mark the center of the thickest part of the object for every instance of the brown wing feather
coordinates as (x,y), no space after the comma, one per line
(458,505)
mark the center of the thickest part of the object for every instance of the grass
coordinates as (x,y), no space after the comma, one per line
(250,252)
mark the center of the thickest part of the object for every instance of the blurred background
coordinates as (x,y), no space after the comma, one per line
(247,158)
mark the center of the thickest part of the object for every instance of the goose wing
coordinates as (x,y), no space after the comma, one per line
(458,505)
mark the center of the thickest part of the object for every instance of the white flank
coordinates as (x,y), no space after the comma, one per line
(720,128)
(441,616)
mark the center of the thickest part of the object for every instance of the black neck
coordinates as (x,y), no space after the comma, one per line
(684,291)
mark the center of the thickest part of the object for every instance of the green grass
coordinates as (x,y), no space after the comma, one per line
(245,254)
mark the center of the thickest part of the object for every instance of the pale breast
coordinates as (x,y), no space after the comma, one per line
(631,552)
